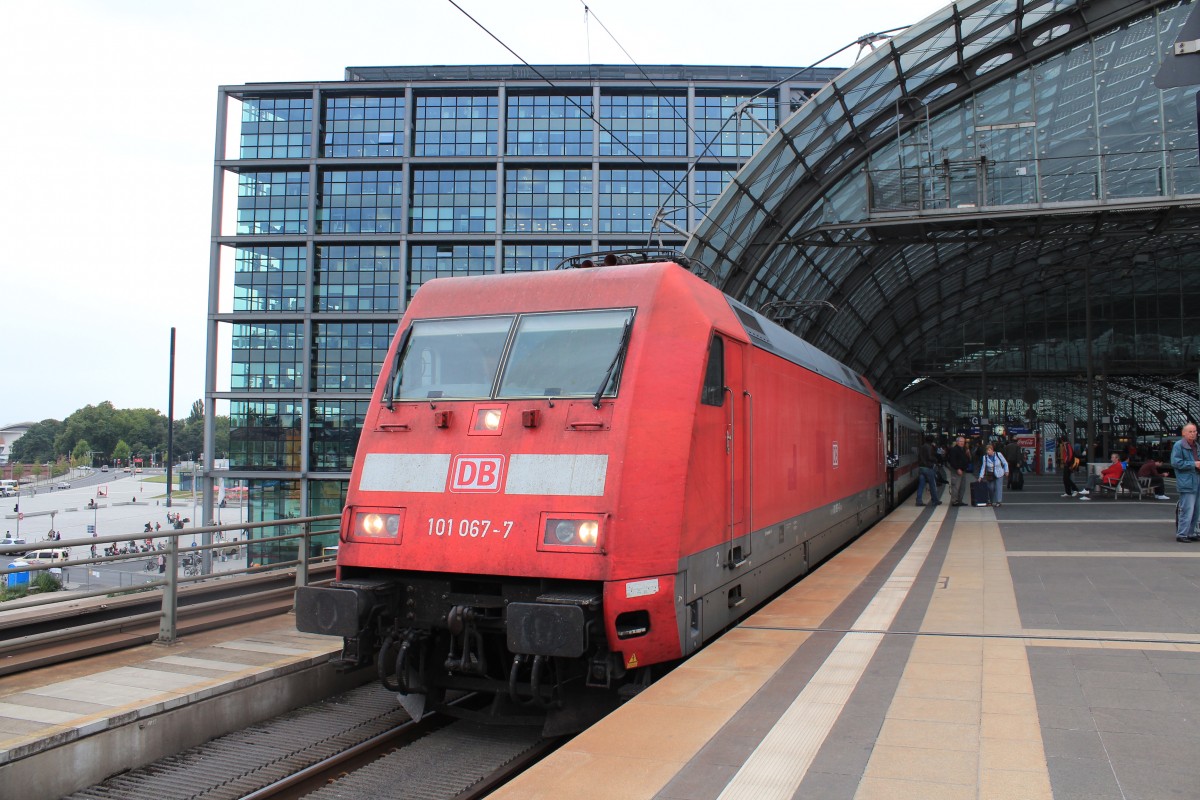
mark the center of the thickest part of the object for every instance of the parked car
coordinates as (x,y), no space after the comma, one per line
(11,540)
(62,485)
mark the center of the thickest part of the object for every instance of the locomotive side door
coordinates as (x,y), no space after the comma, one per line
(889,438)
(725,390)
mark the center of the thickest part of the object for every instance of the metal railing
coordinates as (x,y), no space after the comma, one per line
(188,564)
(983,182)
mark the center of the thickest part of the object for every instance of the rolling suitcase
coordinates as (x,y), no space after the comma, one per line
(1018,481)
(979,493)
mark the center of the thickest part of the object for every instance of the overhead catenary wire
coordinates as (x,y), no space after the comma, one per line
(593,113)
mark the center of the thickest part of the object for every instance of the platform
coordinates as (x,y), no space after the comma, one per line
(66,727)
(1049,648)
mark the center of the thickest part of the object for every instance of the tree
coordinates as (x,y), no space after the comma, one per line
(81,453)
(120,452)
(38,443)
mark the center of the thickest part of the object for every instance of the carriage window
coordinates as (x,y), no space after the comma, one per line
(452,358)
(713,393)
(566,355)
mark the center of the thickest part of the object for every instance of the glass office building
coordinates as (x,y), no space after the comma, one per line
(334,201)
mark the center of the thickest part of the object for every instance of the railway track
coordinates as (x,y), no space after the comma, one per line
(47,635)
(358,744)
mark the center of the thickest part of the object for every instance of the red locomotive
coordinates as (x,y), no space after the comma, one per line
(567,477)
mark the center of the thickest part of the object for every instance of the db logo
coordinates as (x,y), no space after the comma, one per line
(476,473)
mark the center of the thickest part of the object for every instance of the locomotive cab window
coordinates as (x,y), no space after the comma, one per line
(713,393)
(569,354)
(451,358)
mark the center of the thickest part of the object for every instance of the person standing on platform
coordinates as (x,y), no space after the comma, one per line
(1186,461)
(1014,457)
(927,475)
(960,465)
(1066,460)
(992,471)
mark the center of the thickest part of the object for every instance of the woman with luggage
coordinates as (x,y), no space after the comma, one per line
(992,472)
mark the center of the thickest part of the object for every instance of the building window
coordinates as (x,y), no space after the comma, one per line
(357,278)
(361,201)
(709,184)
(548,200)
(264,434)
(276,127)
(363,127)
(533,257)
(454,201)
(629,199)
(459,125)
(720,134)
(272,202)
(643,125)
(269,279)
(426,262)
(549,125)
(267,357)
(272,500)
(346,355)
(333,429)
(325,497)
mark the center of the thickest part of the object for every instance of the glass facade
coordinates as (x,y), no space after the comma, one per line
(643,125)
(548,201)
(333,429)
(530,257)
(629,199)
(454,201)
(722,132)
(272,202)
(264,435)
(357,278)
(346,355)
(361,201)
(457,125)
(268,357)
(363,127)
(549,125)
(276,127)
(269,279)
(438,174)
(426,262)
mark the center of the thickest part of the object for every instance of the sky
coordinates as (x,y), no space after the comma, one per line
(109,130)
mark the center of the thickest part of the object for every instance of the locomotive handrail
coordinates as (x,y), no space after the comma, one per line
(731,455)
(750,476)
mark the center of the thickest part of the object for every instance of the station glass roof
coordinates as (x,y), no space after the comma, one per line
(997,200)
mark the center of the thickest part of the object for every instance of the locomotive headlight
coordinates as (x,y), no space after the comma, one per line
(580,533)
(491,419)
(564,531)
(588,531)
(374,523)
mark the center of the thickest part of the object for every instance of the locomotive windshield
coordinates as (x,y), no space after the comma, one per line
(567,354)
(452,358)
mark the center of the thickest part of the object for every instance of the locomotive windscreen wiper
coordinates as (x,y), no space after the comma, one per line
(618,357)
(389,392)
